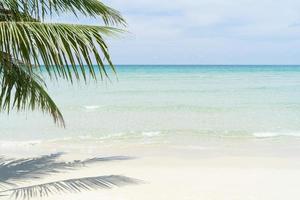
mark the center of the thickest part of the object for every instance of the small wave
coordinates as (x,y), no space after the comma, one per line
(275,134)
(118,135)
(7,144)
(150,133)
(91,107)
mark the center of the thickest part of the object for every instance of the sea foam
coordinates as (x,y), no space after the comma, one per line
(275,134)
(150,133)
(7,144)
(91,107)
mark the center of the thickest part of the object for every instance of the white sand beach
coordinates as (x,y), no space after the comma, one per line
(254,169)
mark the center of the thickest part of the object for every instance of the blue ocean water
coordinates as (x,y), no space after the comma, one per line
(161,101)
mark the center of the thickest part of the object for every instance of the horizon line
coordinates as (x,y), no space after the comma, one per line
(211,64)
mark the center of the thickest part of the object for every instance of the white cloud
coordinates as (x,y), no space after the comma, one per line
(209,31)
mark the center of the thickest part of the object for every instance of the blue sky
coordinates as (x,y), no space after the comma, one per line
(208,32)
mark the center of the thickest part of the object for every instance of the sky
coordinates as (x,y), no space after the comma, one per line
(207,32)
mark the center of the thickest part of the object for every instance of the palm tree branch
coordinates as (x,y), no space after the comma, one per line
(38,9)
(23,89)
(59,47)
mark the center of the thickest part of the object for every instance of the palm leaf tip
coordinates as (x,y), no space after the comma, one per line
(23,89)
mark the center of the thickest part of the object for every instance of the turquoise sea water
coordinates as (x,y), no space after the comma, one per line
(157,102)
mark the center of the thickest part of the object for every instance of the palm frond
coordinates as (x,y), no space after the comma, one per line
(59,47)
(22,89)
(10,15)
(71,186)
(25,46)
(38,9)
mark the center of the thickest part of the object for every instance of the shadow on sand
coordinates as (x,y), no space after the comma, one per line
(17,171)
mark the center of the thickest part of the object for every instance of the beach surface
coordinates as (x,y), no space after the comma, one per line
(218,169)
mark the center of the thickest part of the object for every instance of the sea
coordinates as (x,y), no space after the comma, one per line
(157,103)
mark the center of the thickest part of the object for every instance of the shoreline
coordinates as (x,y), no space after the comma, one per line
(177,145)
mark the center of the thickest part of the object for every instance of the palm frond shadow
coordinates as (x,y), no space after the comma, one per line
(15,171)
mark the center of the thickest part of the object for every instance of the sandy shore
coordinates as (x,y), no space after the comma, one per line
(217,178)
(256,169)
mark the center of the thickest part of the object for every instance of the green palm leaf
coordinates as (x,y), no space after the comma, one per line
(59,47)
(22,89)
(28,46)
(38,9)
